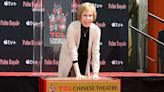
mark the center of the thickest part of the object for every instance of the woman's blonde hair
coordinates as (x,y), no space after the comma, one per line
(86,7)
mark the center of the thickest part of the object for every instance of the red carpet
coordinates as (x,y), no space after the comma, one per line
(103,74)
(129,74)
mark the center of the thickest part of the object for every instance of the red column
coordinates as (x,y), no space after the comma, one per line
(154,26)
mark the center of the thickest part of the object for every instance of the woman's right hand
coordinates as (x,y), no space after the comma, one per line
(77,71)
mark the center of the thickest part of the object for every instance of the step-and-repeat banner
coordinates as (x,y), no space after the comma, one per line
(23,47)
(16,35)
(113,21)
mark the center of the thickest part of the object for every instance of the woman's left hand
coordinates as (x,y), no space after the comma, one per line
(95,76)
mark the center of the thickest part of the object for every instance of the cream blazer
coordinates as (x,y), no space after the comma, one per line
(69,49)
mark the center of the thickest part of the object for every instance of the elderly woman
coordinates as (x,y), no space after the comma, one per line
(82,46)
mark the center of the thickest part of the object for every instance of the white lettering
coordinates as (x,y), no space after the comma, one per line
(101,25)
(9,42)
(9,3)
(31,42)
(117,6)
(117,43)
(9,23)
(117,62)
(118,25)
